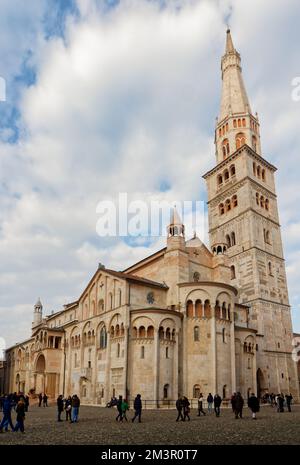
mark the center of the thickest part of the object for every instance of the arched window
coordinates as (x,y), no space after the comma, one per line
(189,309)
(219,249)
(142,352)
(142,331)
(254,168)
(117,330)
(225,148)
(233,238)
(244,122)
(196,334)
(228,241)
(134,332)
(267,204)
(101,305)
(217,310)
(257,198)
(239,123)
(150,331)
(226,175)
(262,201)
(224,311)
(263,174)
(196,391)
(118,350)
(221,209)
(267,237)
(198,308)
(161,333)
(220,179)
(167,352)
(234,123)
(227,205)
(207,308)
(254,143)
(166,391)
(232,272)
(270,268)
(232,170)
(234,201)
(240,140)
(103,338)
(258,172)
(168,334)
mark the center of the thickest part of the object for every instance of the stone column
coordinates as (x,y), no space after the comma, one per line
(156,348)
(126,350)
(175,367)
(232,349)
(213,351)
(107,369)
(254,373)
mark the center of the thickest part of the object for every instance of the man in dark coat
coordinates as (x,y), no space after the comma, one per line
(217,404)
(119,408)
(289,399)
(137,408)
(40,399)
(186,408)
(239,404)
(20,409)
(45,400)
(179,407)
(60,407)
(253,404)
(210,401)
(280,400)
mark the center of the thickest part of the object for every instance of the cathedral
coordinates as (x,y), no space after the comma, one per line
(188,318)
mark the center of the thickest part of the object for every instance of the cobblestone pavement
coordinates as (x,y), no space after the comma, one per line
(98,426)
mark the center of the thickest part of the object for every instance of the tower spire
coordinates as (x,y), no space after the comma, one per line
(236,125)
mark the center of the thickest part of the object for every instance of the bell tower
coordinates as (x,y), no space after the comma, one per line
(38,313)
(243,215)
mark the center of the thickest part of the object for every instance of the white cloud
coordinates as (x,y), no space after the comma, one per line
(125,102)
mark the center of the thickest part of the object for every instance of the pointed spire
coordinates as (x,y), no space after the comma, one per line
(234,96)
(175,218)
(229,44)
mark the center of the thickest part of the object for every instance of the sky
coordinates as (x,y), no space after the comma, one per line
(104,97)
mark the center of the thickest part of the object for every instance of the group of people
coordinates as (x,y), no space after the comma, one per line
(123,406)
(278,400)
(70,405)
(20,404)
(214,402)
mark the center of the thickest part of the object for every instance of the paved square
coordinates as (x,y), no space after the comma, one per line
(98,426)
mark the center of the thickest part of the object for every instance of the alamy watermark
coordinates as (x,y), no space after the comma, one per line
(296,89)
(2,349)
(148,218)
(296,349)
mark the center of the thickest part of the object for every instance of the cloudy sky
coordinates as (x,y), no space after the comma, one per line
(106,96)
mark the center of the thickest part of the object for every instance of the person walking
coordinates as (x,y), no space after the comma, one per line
(40,399)
(200,405)
(179,407)
(217,404)
(289,399)
(233,401)
(124,408)
(280,401)
(26,400)
(68,408)
(60,407)
(137,408)
(119,409)
(45,400)
(239,404)
(210,401)
(20,409)
(186,409)
(6,420)
(75,408)
(253,404)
